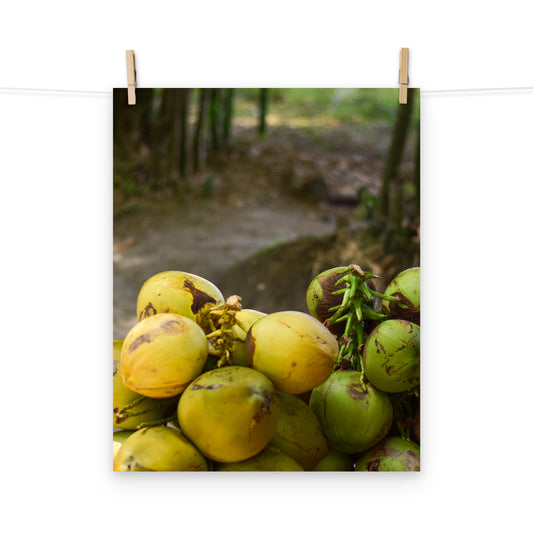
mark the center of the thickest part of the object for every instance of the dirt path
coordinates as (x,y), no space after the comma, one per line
(205,238)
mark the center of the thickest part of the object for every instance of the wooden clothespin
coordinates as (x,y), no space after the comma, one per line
(404,74)
(132,76)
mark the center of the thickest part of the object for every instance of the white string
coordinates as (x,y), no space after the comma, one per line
(422,91)
(59,91)
(479,90)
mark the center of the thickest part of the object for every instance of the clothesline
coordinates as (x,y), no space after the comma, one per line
(478,90)
(422,91)
(58,91)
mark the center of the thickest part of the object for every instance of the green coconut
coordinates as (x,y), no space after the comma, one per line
(352,418)
(405,288)
(320,296)
(298,432)
(392,454)
(335,461)
(391,356)
(271,459)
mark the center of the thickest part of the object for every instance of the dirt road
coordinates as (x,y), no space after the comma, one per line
(202,237)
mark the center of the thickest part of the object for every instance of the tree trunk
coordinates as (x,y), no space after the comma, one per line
(396,205)
(131,123)
(183,119)
(228,115)
(161,160)
(263,104)
(197,141)
(214,117)
(394,155)
(175,128)
(145,97)
(173,113)
(132,129)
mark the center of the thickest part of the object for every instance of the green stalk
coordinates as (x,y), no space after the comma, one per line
(160,422)
(388,298)
(354,310)
(368,312)
(357,309)
(132,404)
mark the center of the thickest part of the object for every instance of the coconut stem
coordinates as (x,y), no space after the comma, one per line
(354,309)
(135,402)
(217,322)
(388,298)
(137,413)
(160,422)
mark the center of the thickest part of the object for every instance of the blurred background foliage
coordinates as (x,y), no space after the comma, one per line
(213,114)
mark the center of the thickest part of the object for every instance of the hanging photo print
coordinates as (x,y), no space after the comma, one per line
(266,298)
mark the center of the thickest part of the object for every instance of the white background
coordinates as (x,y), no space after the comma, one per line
(56,266)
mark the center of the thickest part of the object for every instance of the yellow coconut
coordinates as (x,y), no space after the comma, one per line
(176,292)
(131,409)
(159,448)
(293,349)
(162,354)
(229,413)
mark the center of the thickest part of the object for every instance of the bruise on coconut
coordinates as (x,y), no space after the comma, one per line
(131,465)
(411,314)
(373,466)
(358,394)
(149,310)
(199,298)
(169,327)
(328,285)
(263,409)
(195,386)
(384,452)
(120,418)
(411,460)
(250,346)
